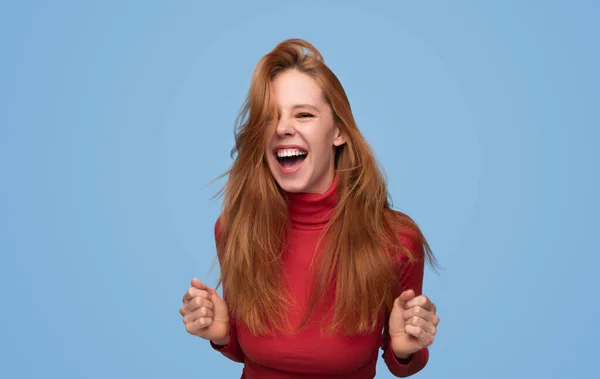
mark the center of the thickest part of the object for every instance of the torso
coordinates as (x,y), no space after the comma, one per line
(313,350)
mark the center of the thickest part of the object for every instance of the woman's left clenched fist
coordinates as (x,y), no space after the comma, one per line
(413,323)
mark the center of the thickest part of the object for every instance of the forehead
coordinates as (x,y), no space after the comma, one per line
(294,87)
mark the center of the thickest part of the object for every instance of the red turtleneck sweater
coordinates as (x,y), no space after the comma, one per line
(310,353)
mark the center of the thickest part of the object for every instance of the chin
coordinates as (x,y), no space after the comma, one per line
(292,185)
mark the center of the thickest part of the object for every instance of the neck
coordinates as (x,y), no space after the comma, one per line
(312,210)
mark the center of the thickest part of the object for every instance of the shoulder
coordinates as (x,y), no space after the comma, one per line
(408,240)
(408,253)
(217,228)
(218,233)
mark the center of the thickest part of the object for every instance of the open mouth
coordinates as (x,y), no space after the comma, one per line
(290,159)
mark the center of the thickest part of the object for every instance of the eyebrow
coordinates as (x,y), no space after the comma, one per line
(305,106)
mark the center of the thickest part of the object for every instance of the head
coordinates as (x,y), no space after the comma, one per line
(298,112)
(294,133)
(302,148)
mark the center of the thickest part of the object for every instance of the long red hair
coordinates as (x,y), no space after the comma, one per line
(362,247)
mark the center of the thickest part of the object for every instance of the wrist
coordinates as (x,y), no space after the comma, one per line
(399,353)
(221,342)
(402,358)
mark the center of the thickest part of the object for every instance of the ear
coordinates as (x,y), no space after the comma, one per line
(339,139)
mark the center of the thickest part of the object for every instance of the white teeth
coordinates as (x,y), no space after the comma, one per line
(289,153)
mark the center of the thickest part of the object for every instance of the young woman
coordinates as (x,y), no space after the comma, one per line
(318,271)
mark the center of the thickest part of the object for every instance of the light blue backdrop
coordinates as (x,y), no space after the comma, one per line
(115,114)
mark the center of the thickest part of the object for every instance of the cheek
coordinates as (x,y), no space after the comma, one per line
(268,150)
(322,156)
(324,144)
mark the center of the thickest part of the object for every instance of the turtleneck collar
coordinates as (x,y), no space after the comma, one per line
(312,211)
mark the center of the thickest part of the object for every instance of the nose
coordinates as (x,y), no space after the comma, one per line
(285,127)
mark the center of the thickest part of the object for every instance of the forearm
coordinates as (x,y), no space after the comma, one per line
(405,366)
(229,346)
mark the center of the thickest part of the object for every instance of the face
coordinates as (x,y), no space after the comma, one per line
(301,153)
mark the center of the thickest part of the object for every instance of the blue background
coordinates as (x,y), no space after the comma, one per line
(116,114)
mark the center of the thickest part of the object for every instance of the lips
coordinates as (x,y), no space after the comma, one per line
(290,157)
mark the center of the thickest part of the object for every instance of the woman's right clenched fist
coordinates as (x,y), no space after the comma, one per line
(205,313)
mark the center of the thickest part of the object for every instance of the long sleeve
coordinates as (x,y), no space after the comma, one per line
(232,350)
(410,277)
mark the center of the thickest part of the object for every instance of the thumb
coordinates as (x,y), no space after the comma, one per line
(407,295)
(199,285)
(221,309)
(215,296)
(403,298)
